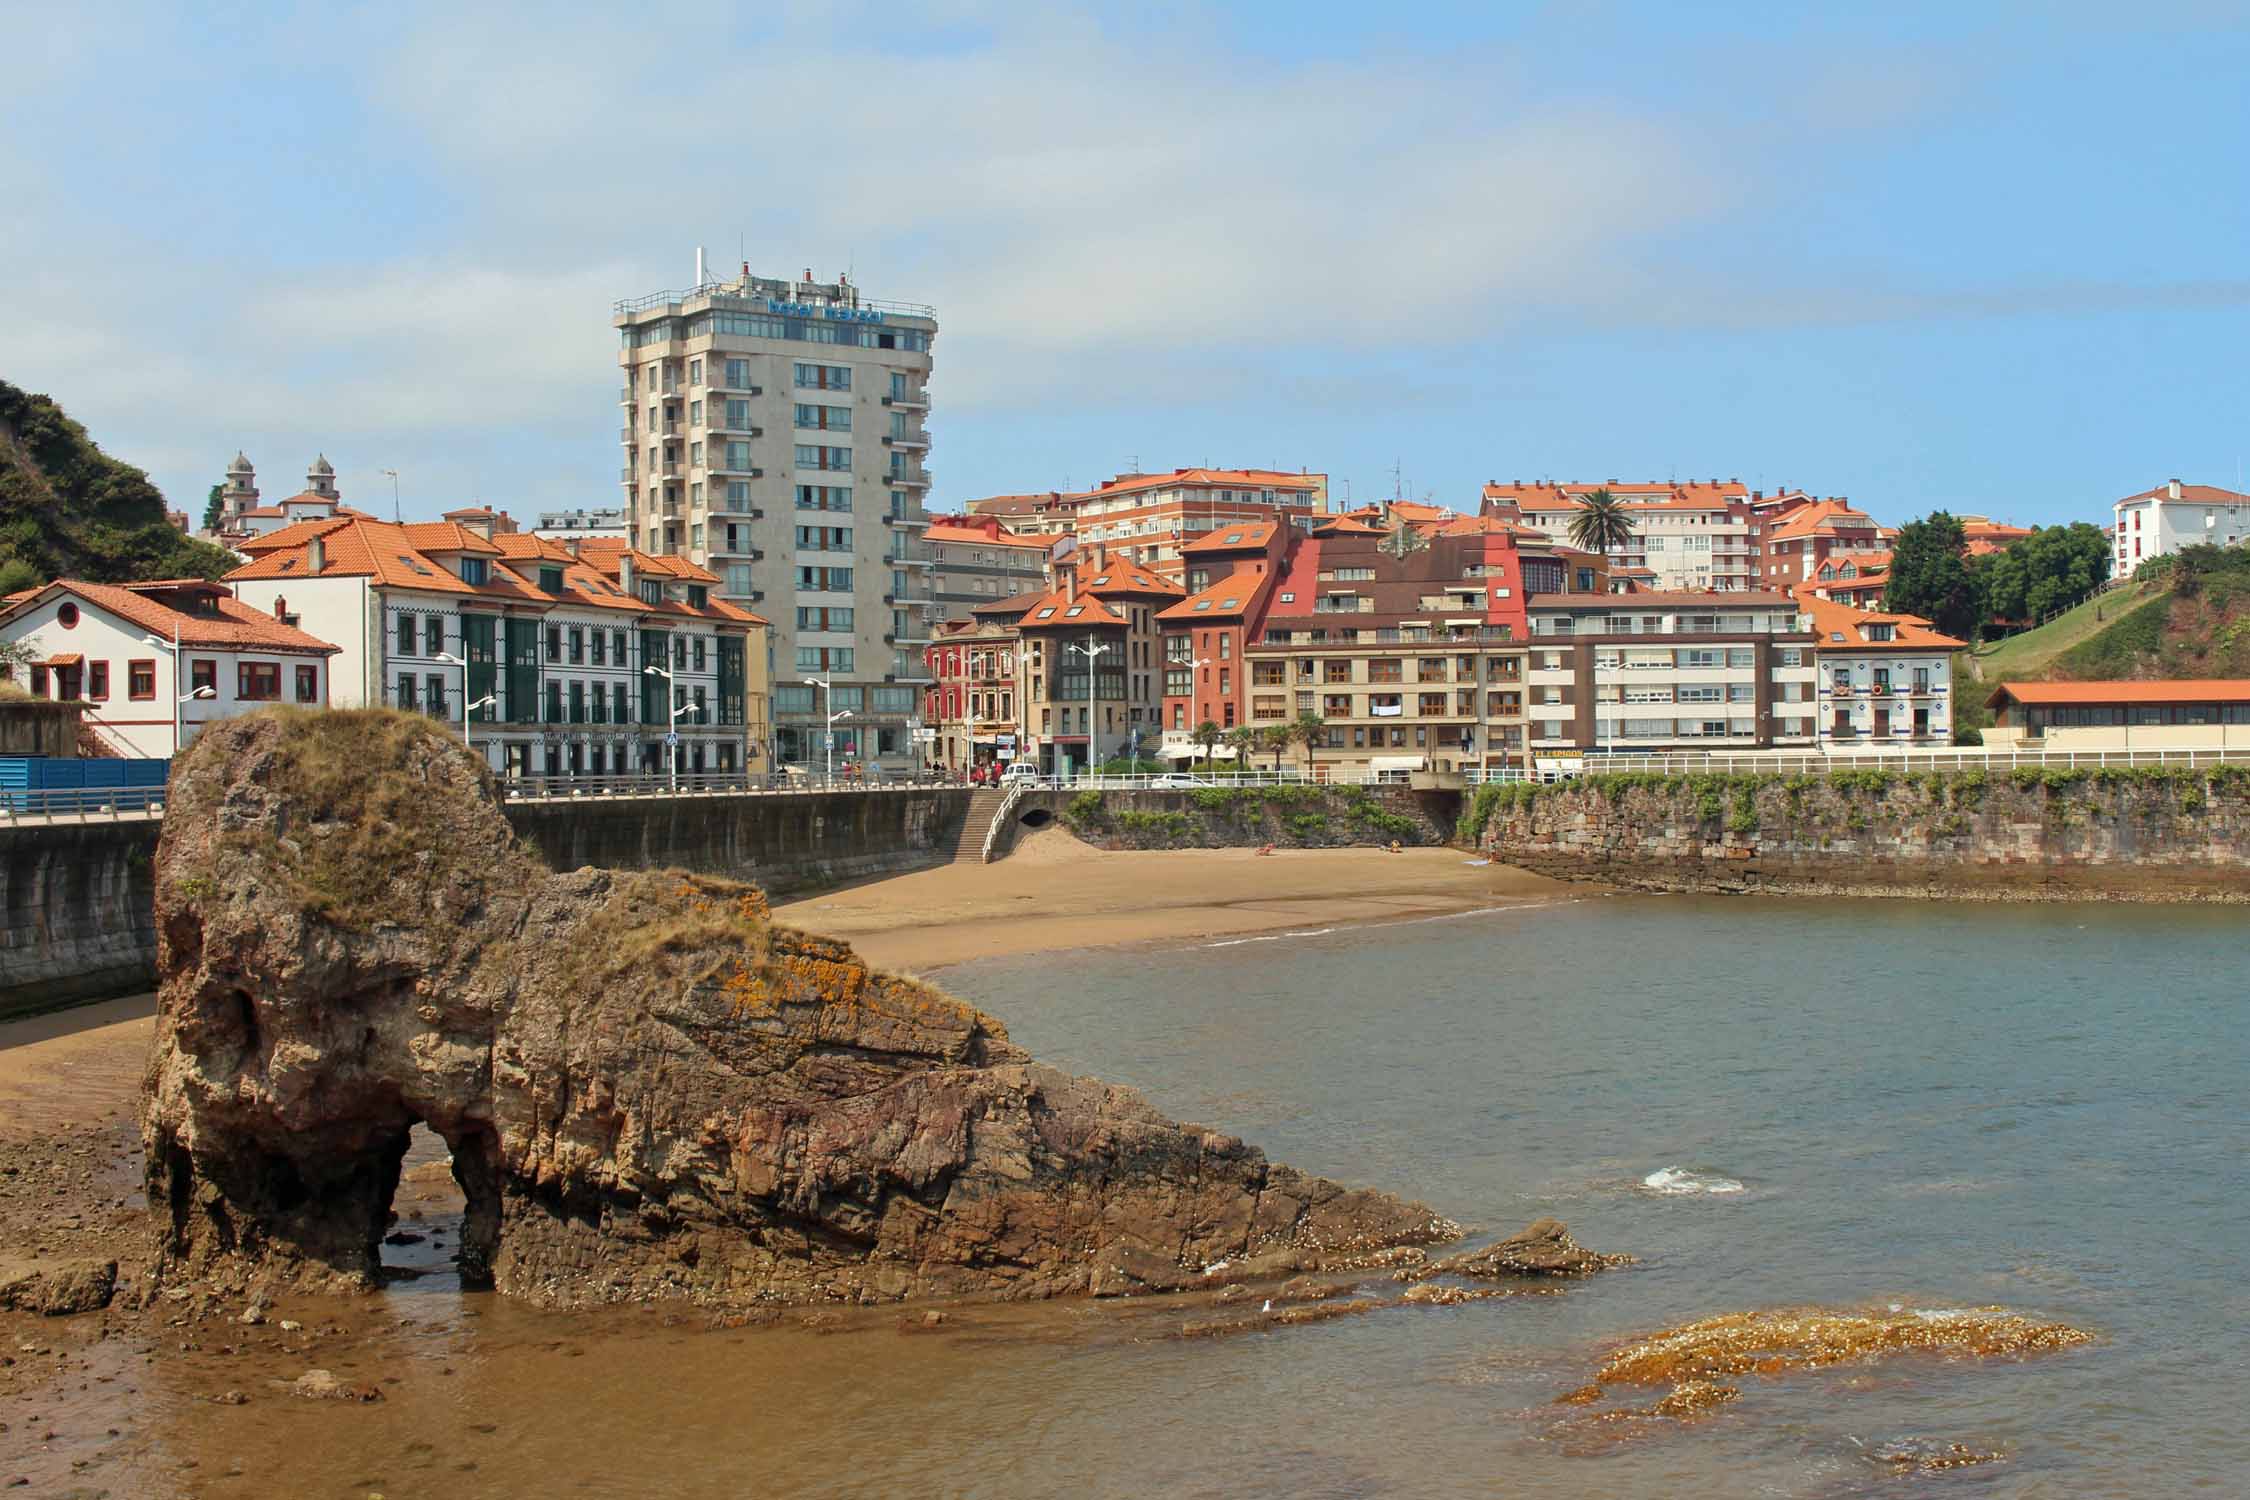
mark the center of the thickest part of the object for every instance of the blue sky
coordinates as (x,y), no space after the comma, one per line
(1994,258)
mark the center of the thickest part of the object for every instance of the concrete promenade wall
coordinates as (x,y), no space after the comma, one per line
(1223,817)
(2138,835)
(77,912)
(788,842)
(77,899)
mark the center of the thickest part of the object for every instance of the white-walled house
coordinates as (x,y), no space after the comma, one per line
(549,643)
(112,647)
(2175,515)
(1886,680)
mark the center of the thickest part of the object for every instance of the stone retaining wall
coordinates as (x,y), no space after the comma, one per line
(1222,817)
(2032,835)
(77,914)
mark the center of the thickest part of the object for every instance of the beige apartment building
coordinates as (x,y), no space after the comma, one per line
(774,431)
(1687,535)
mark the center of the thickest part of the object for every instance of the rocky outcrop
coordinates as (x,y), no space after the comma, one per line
(650,1089)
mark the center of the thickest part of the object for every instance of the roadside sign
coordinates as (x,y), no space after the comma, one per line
(671,738)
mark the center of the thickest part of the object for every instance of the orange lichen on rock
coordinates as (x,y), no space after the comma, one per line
(1934,1460)
(1769,1343)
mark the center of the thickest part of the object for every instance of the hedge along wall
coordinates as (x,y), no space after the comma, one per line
(2033,833)
(1220,817)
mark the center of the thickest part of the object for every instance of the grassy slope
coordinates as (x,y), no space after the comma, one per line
(2027,657)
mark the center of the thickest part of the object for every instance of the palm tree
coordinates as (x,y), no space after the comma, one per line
(1602,524)
(1242,741)
(1310,731)
(1274,737)
(1206,735)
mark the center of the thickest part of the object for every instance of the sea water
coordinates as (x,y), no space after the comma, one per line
(1769,1103)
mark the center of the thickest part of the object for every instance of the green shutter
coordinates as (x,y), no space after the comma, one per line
(733,708)
(477,646)
(656,703)
(523,671)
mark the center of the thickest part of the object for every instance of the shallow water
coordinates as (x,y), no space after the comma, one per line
(1936,1106)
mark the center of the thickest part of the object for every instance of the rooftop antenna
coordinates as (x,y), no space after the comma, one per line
(395,519)
(699,271)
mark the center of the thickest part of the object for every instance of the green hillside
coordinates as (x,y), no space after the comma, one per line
(2028,656)
(69,510)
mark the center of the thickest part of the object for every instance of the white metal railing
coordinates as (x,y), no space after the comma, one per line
(81,803)
(1000,819)
(1814,762)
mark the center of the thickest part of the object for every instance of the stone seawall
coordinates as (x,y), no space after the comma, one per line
(1224,817)
(786,842)
(77,898)
(77,914)
(2037,834)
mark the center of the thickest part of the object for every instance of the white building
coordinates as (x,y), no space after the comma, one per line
(582,522)
(1886,680)
(573,658)
(113,646)
(774,430)
(2172,516)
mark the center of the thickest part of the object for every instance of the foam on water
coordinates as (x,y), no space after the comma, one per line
(1679,1182)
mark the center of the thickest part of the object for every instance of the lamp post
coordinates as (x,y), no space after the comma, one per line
(1092,651)
(451,660)
(173,646)
(828,736)
(487,701)
(655,671)
(674,757)
(1194,666)
(396,520)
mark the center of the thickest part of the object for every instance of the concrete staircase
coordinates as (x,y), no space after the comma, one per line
(984,806)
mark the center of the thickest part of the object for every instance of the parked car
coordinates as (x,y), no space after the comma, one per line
(1021,771)
(1176,781)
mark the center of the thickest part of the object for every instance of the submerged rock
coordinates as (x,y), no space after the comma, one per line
(649,1088)
(1772,1343)
(1542,1248)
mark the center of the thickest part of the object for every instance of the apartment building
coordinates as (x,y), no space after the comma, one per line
(1886,680)
(558,658)
(603,521)
(1798,541)
(775,433)
(975,560)
(1409,645)
(1148,518)
(2175,515)
(155,662)
(1855,578)
(1687,536)
(1089,661)
(971,701)
(1664,671)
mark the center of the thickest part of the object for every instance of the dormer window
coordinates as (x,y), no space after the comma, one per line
(652,592)
(475,570)
(698,595)
(1880,632)
(550,580)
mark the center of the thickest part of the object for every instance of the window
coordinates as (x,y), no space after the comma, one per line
(308,684)
(824,659)
(255,682)
(824,418)
(475,570)
(824,497)
(203,673)
(825,538)
(407,693)
(554,643)
(97,680)
(811,456)
(577,644)
(406,635)
(825,580)
(824,377)
(738,374)
(140,680)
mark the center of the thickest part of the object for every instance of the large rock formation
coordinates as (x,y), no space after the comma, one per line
(649,1088)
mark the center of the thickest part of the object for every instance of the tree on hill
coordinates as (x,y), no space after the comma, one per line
(1930,577)
(214,506)
(2046,572)
(1602,523)
(69,510)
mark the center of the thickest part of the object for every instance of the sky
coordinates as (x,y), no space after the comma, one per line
(1989,257)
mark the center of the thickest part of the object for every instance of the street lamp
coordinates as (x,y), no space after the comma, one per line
(396,518)
(487,701)
(666,674)
(173,646)
(454,661)
(1195,666)
(828,738)
(1092,650)
(674,757)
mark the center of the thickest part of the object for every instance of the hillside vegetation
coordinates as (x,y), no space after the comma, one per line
(69,510)
(2182,616)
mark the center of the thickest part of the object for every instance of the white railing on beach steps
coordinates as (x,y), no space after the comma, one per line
(1000,820)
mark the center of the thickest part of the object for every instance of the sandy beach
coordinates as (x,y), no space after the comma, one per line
(83,1066)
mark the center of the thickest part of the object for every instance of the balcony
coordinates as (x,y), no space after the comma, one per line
(909,560)
(901,518)
(625,436)
(719,463)
(719,383)
(913,442)
(911,401)
(625,476)
(625,396)
(909,475)
(913,635)
(911,596)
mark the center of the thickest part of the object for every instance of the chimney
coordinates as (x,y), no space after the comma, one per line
(480,524)
(2173,489)
(625,570)
(1070,582)
(316,555)
(280,608)
(570,545)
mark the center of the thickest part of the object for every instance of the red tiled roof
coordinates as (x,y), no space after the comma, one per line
(2171,690)
(1824,516)
(1233,595)
(237,626)
(2191,494)
(1691,494)
(1247,536)
(1832,618)
(1264,479)
(940,531)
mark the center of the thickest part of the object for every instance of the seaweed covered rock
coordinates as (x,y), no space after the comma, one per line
(650,1089)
